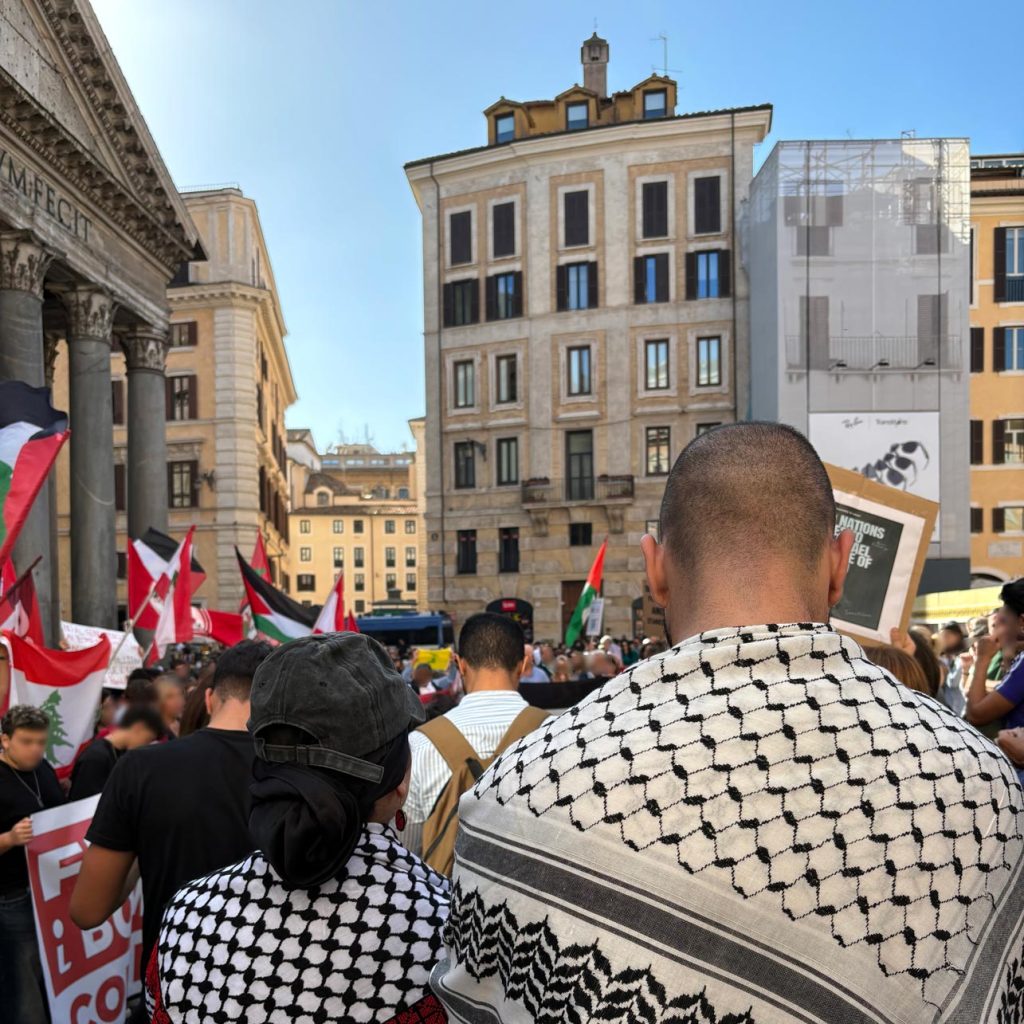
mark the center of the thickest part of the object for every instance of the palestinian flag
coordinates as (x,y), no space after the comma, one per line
(31,435)
(332,615)
(67,685)
(590,590)
(274,614)
(19,606)
(148,559)
(261,564)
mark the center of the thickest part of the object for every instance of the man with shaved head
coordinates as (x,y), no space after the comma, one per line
(757,825)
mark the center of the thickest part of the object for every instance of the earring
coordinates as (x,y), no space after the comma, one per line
(400,820)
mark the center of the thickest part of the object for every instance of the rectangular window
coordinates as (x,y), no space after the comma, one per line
(338,557)
(655,209)
(655,103)
(1008,438)
(305,554)
(579,461)
(505,373)
(120,488)
(359,582)
(410,558)
(410,526)
(357,526)
(977,349)
(305,581)
(657,451)
(305,526)
(389,526)
(581,535)
(577,115)
(503,229)
(323,498)
(703,428)
(338,526)
(1012,344)
(504,127)
(1013,518)
(505,296)
(391,581)
(1014,252)
(977,443)
(508,460)
(181,397)
(410,581)
(576,206)
(360,607)
(707,205)
(184,335)
(182,478)
(708,274)
(709,362)
(576,285)
(465,554)
(578,370)
(461,302)
(465,384)
(460,237)
(465,465)
(358,559)
(390,558)
(508,549)
(117,402)
(656,364)
(977,520)
(650,278)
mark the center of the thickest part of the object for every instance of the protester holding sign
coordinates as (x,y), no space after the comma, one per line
(27,785)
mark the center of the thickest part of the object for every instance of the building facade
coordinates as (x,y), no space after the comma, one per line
(858,259)
(585,315)
(358,511)
(226,388)
(91,231)
(997,367)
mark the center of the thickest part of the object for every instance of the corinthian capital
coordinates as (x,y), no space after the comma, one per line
(145,348)
(23,262)
(90,313)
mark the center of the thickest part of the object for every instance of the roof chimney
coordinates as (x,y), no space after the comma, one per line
(594,57)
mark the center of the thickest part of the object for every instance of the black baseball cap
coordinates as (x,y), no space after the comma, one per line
(342,689)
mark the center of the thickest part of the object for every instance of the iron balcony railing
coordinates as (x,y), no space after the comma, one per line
(854,353)
(605,488)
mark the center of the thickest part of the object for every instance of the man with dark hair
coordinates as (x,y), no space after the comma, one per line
(758,824)
(27,785)
(181,808)
(491,659)
(140,725)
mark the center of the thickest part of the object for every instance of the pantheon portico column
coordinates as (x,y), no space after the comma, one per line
(23,264)
(145,350)
(93,516)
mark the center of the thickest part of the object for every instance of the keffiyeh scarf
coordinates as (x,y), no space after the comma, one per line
(240,946)
(759,825)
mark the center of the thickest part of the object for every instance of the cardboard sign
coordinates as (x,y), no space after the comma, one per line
(892,530)
(126,652)
(89,974)
(595,617)
(437,660)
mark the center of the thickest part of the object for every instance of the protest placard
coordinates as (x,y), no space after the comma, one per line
(89,974)
(891,531)
(595,617)
(127,654)
(438,660)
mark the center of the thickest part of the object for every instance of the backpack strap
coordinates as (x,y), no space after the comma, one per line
(450,743)
(523,724)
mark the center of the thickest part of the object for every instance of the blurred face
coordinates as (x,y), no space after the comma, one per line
(1013,624)
(576,661)
(950,640)
(422,675)
(25,748)
(561,668)
(172,703)
(182,671)
(547,654)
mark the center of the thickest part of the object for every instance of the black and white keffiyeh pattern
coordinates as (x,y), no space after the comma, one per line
(759,825)
(240,946)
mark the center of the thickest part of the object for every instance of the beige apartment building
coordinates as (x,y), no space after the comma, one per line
(356,510)
(585,316)
(997,367)
(228,384)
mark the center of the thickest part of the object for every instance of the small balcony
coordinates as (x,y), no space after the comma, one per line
(844,353)
(540,491)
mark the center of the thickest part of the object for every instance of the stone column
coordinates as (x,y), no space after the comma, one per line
(93,517)
(145,350)
(23,264)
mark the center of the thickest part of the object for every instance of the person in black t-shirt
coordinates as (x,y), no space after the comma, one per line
(140,726)
(181,808)
(27,785)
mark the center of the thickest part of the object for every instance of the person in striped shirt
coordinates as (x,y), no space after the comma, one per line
(491,659)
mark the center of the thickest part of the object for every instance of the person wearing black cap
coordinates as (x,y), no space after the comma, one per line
(330,915)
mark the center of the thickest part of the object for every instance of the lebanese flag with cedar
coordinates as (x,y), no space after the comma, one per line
(66,685)
(332,614)
(31,434)
(19,605)
(175,623)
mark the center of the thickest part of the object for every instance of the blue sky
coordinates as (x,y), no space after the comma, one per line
(313,106)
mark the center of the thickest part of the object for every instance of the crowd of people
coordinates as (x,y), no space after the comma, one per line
(762,822)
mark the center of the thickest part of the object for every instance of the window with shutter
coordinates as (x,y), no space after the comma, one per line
(707,207)
(815,338)
(460,237)
(931,323)
(998,349)
(998,520)
(117,401)
(977,443)
(461,302)
(998,442)
(977,349)
(503,216)
(977,520)
(561,287)
(655,209)
(999,265)
(592,286)
(651,278)
(120,491)
(577,218)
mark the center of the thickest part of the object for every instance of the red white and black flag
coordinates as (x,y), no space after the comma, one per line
(149,558)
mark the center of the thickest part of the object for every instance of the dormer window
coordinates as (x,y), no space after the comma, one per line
(577,115)
(504,127)
(655,104)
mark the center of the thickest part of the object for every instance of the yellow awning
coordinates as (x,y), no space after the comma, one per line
(956,604)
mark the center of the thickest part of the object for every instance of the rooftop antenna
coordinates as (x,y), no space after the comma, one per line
(664,44)
(908,133)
